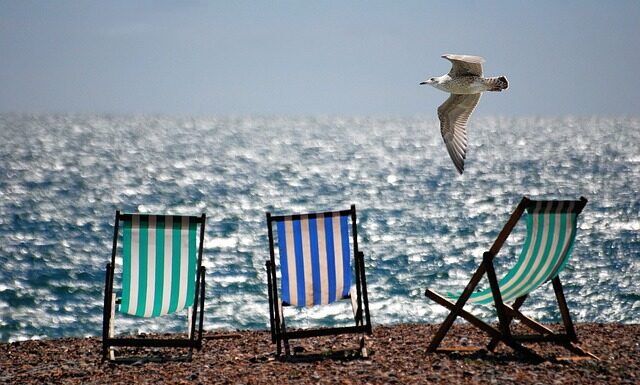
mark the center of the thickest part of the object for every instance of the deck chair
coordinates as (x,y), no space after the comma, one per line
(551,232)
(316,269)
(162,273)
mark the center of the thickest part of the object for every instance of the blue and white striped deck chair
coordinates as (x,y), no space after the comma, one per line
(551,233)
(162,274)
(315,265)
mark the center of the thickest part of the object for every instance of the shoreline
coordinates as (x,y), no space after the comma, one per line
(397,355)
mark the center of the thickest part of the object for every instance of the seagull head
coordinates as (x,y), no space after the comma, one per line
(430,81)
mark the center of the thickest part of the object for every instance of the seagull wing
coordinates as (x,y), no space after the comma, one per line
(465,65)
(454,114)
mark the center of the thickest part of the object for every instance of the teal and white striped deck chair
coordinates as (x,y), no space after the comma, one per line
(551,233)
(319,264)
(162,273)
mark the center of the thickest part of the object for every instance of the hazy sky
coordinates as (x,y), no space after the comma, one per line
(314,57)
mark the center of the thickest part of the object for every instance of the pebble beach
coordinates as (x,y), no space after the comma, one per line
(397,355)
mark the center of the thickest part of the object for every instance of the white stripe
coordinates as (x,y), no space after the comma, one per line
(322,256)
(168,246)
(306,257)
(337,247)
(135,264)
(151,266)
(291,262)
(184,263)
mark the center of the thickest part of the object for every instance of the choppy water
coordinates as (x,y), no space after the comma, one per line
(420,225)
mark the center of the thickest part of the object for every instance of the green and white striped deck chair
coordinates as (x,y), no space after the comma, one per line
(551,233)
(318,263)
(162,273)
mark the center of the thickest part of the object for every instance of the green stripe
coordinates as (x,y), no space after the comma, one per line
(126,265)
(547,249)
(192,263)
(143,266)
(557,259)
(157,299)
(540,232)
(175,263)
(523,254)
(573,219)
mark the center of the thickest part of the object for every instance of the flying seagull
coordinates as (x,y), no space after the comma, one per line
(465,84)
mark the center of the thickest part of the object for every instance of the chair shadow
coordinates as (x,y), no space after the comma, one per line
(143,360)
(497,358)
(299,355)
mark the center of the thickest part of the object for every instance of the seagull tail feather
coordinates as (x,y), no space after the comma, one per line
(497,84)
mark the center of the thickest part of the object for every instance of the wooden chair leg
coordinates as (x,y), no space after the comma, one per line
(112,326)
(504,321)
(287,347)
(457,308)
(564,309)
(445,326)
(202,287)
(363,347)
(106,316)
(516,305)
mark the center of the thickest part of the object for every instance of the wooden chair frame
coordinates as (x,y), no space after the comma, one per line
(507,313)
(362,320)
(194,336)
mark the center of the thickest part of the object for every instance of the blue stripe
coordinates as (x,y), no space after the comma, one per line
(297,243)
(344,227)
(331,257)
(284,266)
(315,261)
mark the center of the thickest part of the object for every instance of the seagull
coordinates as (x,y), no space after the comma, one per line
(465,84)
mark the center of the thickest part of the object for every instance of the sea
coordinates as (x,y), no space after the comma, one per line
(420,224)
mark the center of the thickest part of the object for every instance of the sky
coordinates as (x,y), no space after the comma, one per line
(211,58)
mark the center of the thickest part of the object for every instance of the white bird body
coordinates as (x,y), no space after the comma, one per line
(462,85)
(465,83)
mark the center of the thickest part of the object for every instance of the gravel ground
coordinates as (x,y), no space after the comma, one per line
(397,355)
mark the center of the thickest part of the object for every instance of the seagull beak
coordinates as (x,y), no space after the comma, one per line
(423,83)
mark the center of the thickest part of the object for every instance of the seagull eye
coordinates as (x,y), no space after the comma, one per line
(432,79)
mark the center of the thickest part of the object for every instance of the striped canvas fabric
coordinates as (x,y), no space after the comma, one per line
(551,231)
(314,258)
(159,264)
